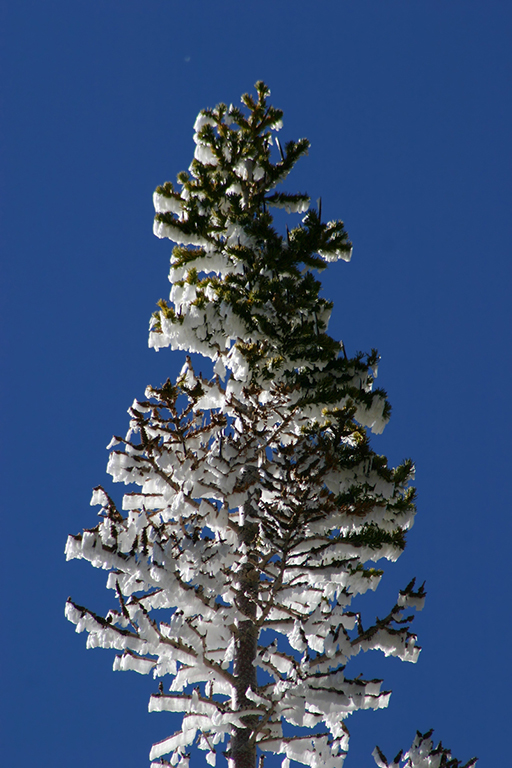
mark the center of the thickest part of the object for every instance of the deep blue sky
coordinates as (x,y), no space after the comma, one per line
(409,111)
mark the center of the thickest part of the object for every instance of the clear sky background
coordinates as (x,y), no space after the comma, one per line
(408,107)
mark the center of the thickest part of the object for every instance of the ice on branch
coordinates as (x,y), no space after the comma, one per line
(232,491)
(256,509)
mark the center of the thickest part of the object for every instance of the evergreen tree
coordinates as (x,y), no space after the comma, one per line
(261,504)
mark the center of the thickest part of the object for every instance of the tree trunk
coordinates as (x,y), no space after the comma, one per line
(242,748)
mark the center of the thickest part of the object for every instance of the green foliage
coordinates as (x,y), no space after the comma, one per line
(230,189)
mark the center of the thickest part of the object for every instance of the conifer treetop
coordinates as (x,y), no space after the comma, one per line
(422,754)
(243,294)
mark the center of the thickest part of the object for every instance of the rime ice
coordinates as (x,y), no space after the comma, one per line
(256,507)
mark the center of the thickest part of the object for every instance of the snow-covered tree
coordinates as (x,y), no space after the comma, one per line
(261,508)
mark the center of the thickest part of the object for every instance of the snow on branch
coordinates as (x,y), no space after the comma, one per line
(224,504)
(256,508)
